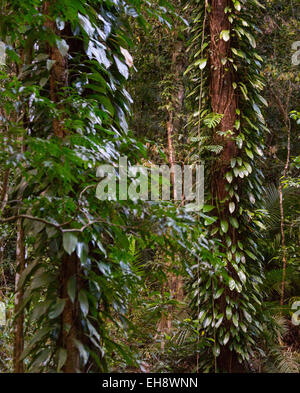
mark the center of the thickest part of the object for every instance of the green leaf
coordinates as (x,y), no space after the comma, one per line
(62,357)
(57,308)
(249,153)
(69,242)
(207,208)
(228,312)
(207,321)
(229,177)
(224,226)
(231,207)
(219,293)
(83,352)
(219,321)
(202,63)
(226,338)
(235,320)
(40,360)
(231,284)
(237,5)
(242,276)
(247,316)
(225,35)
(63,47)
(234,222)
(71,288)
(84,303)
(250,254)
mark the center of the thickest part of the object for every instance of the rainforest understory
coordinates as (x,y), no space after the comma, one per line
(104,270)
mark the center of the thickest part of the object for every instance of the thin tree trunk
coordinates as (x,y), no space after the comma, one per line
(70,322)
(175,283)
(19,320)
(3,201)
(287,122)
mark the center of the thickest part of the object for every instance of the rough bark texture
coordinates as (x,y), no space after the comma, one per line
(223,101)
(223,97)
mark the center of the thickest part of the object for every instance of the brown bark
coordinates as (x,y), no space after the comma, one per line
(175,283)
(175,113)
(19,292)
(223,97)
(3,201)
(223,101)
(59,76)
(70,322)
(284,110)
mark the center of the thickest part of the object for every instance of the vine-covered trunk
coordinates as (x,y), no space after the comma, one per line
(70,327)
(223,101)
(223,98)
(70,322)
(19,292)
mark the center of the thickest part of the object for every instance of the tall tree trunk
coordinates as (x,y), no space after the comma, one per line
(284,110)
(223,101)
(19,321)
(174,283)
(70,321)
(70,265)
(3,201)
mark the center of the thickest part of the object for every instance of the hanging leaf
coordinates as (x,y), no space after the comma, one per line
(63,47)
(224,226)
(231,284)
(234,222)
(123,69)
(228,312)
(57,308)
(62,357)
(225,35)
(231,207)
(69,242)
(235,320)
(127,56)
(83,301)
(202,63)
(71,288)
(226,338)
(229,177)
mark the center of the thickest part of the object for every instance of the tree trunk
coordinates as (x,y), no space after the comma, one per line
(19,320)
(223,101)
(70,266)
(70,321)
(175,283)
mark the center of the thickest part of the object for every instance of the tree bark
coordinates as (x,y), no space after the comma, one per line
(223,101)
(175,282)
(70,321)
(19,292)
(59,75)
(70,266)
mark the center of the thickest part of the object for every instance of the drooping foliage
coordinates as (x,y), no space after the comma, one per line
(99,275)
(67,69)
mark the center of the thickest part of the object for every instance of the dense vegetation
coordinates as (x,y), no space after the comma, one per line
(134,285)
